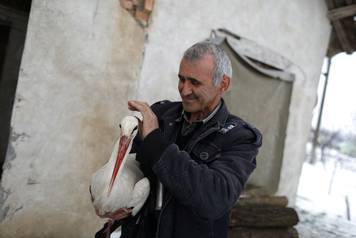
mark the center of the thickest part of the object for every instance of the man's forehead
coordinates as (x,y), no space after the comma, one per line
(196,69)
(205,63)
(206,57)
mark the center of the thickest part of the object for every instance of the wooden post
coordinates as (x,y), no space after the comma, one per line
(317,129)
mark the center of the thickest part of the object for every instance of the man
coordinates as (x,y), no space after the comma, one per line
(201,154)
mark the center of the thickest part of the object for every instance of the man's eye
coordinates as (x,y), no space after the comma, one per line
(195,82)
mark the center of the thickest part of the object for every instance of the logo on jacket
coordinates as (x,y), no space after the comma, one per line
(224,130)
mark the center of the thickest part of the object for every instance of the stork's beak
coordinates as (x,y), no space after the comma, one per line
(123,145)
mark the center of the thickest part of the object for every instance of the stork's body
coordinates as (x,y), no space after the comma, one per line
(120,184)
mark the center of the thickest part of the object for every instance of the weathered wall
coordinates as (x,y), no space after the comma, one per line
(298,30)
(80,65)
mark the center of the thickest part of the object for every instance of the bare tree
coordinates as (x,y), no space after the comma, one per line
(327,140)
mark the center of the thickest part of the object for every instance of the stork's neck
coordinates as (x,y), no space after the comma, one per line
(120,150)
(123,149)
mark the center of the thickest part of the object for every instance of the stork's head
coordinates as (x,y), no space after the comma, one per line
(129,126)
(129,129)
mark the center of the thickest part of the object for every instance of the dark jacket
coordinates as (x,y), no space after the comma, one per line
(202,182)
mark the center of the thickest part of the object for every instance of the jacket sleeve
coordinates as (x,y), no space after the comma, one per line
(211,189)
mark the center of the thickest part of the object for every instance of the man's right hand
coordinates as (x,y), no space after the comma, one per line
(113,223)
(149,119)
(118,215)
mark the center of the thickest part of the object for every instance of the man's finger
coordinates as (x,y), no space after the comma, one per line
(142,107)
(139,104)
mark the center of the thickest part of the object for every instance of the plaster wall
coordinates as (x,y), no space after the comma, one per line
(298,30)
(80,65)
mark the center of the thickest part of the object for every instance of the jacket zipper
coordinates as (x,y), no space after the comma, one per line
(202,136)
(208,132)
(170,196)
(160,214)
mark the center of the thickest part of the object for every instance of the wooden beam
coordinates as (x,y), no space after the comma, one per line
(339,30)
(342,12)
(341,35)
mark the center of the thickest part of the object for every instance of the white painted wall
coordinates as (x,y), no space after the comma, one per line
(298,30)
(79,67)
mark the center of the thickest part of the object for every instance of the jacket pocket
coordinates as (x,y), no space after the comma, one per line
(206,152)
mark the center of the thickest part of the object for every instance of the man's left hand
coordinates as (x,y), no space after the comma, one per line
(149,119)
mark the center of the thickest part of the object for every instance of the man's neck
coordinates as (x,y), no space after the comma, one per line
(202,115)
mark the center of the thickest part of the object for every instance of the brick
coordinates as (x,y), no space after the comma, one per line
(142,17)
(138,3)
(149,5)
(127,4)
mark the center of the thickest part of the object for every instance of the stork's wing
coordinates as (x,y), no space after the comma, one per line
(139,195)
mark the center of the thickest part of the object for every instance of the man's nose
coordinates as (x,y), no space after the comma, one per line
(185,88)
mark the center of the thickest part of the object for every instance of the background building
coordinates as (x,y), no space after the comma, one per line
(84,59)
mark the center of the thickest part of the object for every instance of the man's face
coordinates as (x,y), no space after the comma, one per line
(196,88)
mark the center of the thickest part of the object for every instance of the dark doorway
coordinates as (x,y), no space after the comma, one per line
(13,26)
(4,36)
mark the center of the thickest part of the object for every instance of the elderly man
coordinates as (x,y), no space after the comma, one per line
(199,155)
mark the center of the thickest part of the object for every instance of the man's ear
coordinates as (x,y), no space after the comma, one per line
(225,83)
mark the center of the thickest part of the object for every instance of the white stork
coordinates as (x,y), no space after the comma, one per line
(120,184)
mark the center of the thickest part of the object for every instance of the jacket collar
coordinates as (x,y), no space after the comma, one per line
(219,118)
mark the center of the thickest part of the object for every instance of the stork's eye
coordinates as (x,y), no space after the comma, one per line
(134,129)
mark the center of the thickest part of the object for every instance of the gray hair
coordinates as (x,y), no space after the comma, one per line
(221,60)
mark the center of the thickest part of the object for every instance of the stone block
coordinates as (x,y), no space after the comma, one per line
(242,232)
(263,216)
